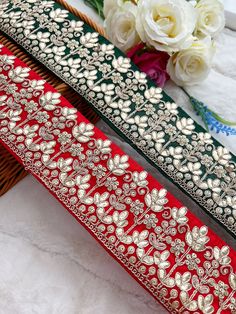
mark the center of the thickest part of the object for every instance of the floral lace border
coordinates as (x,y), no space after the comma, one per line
(139,111)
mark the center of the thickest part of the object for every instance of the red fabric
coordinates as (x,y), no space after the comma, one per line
(141,270)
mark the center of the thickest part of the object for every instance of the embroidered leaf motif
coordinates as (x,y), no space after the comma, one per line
(49,100)
(76,26)
(104,146)
(185,125)
(37,84)
(29,131)
(179,215)
(120,219)
(182,281)
(2,100)
(82,181)
(6,59)
(232,281)
(140,178)
(195,168)
(64,164)
(59,15)
(59,52)
(121,64)
(156,199)
(18,74)
(161,259)
(89,40)
(197,238)
(221,155)
(189,305)
(204,304)
(101,199)
(140,77)
(118,164)
(83,132)
(221,255)
(107,49)
(91,76)
(69,113)
(66,180)
(153,94)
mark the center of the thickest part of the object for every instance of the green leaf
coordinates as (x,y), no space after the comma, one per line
(97,5)
(223,121)
(198,106)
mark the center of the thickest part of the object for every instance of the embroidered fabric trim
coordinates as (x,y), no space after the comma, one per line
(164,246)
(140,112)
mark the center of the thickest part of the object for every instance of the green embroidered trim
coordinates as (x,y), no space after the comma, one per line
(130,103)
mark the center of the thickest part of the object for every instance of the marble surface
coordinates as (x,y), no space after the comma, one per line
(51,265)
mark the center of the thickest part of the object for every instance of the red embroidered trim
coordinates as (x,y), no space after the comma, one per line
(152,235)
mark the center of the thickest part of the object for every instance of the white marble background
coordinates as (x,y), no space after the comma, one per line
(50,265)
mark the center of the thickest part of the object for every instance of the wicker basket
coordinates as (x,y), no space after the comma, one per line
(10,170)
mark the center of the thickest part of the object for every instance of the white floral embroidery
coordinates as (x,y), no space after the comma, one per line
(140,111)
(178,263)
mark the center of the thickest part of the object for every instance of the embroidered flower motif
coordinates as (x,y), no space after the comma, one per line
(42,18)
(221,290)
(177,247)
(72,44)
(137,207)
(137,98)
(192,261)
(149,109)
(64,138)
(99,171)
(104,68)
(170,129)
(150,220)
(116,78)
(53,27)
(219,171)
(182,140)
(207,160)
(42,117)
(111,183)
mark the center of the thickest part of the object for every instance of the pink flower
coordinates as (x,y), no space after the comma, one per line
(152,62)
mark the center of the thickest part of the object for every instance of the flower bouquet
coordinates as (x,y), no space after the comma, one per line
(169,39)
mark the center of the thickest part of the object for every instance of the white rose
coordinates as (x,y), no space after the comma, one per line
(211,19)
(109,5)
(192,65)
(120,26)
(166,25)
